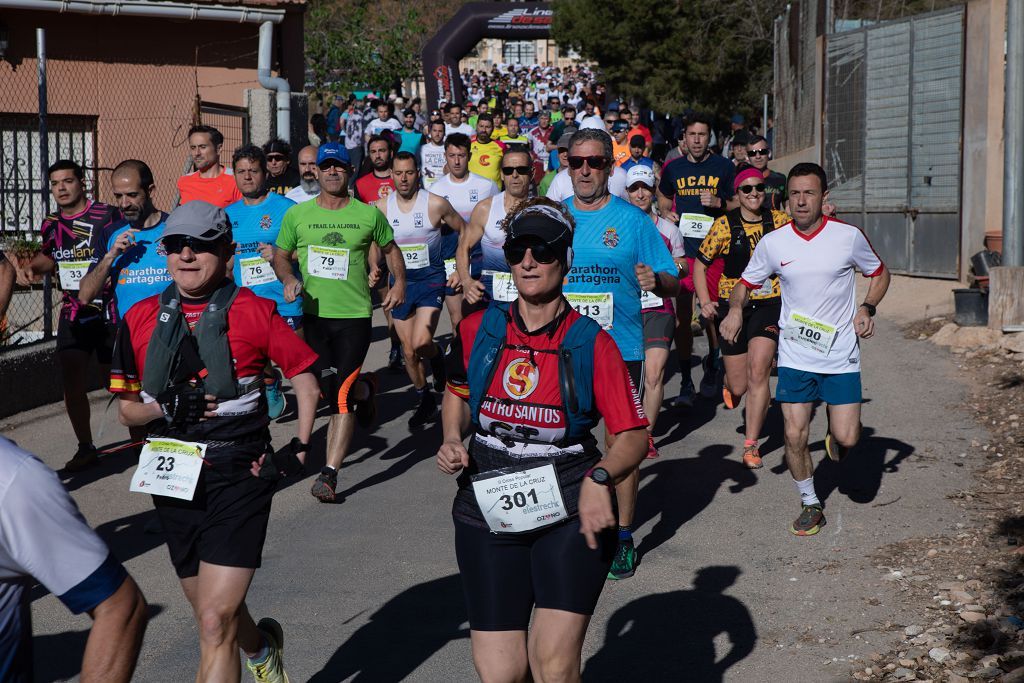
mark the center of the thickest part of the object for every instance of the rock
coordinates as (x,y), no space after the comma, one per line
(961,596)
(906,662)
(945,335)
(938,654)
(1015,676)
(1013,342)
(972,617)
(951,585)
(988,660)
(973,584)
(913,630)
(916,653)
(974,608)
(903,672)
(974,338)
(932,552)
(987,673)
(956,678)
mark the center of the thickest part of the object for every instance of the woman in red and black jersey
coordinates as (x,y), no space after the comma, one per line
(534,512)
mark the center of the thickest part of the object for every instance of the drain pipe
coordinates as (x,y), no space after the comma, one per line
(269,82)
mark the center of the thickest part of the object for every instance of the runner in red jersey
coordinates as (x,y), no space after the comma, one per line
(378,183)
(211,182)
(71,237)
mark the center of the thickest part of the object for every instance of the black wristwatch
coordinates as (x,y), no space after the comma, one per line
(599,475)
(870,307)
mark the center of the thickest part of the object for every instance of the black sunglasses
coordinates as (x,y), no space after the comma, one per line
(542,251)
(758,153)
(174,244)
(595,162)
(275,157)
(747,189)
(521,170)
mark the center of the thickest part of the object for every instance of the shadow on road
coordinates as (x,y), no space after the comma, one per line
(401,635)
(670,636)
(58,657)
(859,476)
(679,489)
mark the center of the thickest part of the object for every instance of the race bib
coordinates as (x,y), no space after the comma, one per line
(502,286)
(597,306)
(449,268)
(519,499)
(71,273)
(415,256)
(327,262)
(805,331)
(650,300)
(256,271)
(695,225)
(168,467)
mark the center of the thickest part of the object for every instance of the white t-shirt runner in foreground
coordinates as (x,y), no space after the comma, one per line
(817,276)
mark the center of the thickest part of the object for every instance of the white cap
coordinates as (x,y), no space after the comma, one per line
(640,174)
(592,122)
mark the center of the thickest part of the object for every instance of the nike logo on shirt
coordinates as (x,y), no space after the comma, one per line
(785,263)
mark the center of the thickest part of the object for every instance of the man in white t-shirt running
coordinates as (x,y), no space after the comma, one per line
(820,327)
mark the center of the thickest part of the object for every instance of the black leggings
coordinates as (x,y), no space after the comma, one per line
(341,345)
(505,575)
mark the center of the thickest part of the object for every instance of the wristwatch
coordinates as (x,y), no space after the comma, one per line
(599,475)
(870,308)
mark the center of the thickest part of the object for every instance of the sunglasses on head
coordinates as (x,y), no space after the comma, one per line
(542,251)
(521,170)
(174,244)
(747,189)
(758,152)
(595,162)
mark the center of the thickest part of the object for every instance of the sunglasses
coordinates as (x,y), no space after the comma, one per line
(758,152)
(521,170)
(328,164)
(542,252)
(595,162)
(275,157)
(747,189)
(174,244)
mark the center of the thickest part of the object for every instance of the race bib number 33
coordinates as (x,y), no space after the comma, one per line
(71,273)
(513,500)
(169,467)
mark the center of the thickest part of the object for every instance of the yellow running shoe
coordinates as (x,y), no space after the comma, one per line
(270,670)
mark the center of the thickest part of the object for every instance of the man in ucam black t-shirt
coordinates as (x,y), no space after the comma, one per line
(695,189)
(71,239)
(188,364)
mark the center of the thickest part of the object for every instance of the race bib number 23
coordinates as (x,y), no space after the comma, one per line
(169,467)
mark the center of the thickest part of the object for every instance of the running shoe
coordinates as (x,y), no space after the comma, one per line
(809,522)
(396,361)
(325,485)
(686,396)
(438,371)
(752,457)
(729,399)
(625,562)
(275,400)
(426,411)
(271,669)
(652,452)
(709,382)
(366,410)
(833,449)
(85,457)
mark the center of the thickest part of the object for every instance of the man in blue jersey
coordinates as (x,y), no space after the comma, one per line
(695,189)
(130,257)
(256,220)
(618,254)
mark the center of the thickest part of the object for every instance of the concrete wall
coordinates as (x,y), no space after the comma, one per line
(982,174)
(30,377)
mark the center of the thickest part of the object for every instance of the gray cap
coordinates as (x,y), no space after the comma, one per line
(563,142)
(198,219)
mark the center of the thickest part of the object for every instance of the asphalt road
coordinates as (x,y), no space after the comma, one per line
(368,590)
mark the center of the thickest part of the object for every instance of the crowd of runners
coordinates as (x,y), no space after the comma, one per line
(569,246)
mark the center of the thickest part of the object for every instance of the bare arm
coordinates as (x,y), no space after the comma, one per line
(469,237)
(132,412)
(396,264)
(119,623)
(92,284)
(40,264)
(730,327)
(6,285)
(863,323)
(667,286)
(700,284)
(666,207)
(443,210)
(453,455)
(595,504)
(282,265)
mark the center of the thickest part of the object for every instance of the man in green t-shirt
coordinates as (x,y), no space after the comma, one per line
(332,236)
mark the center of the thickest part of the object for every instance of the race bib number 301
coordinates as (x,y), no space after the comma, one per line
(599,306)
(327,262)
(812,334)
(71,273)
(513,500)
(169,467)
(256,271)
(695,225)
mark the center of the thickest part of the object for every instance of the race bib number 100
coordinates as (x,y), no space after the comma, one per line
(327,262)
(599,306)
(514,500)
(812,334)
(695,225)
(168,467)
(256,270)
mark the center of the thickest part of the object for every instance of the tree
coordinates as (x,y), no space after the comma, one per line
(675,55)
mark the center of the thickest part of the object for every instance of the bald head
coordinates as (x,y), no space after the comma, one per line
(132,184)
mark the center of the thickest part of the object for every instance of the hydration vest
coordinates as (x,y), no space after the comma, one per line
(739,244)
(575,370)
(175,354)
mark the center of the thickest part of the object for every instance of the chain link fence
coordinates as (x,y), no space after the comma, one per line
(796,31)
(99,114)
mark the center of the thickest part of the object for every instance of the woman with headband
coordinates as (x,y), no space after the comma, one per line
(534,515)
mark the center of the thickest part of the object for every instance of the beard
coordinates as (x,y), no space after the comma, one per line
(309,185)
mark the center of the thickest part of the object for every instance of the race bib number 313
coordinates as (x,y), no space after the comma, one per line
(169,467)
(513,500)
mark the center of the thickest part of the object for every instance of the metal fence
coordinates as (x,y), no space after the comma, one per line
(794,72)
(892,137)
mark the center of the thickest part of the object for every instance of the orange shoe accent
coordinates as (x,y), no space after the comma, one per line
(344,406)
(752,457)
(729,399)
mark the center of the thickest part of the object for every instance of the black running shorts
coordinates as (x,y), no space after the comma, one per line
(504,576)
(341,344)
(95,335)
(759,320)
